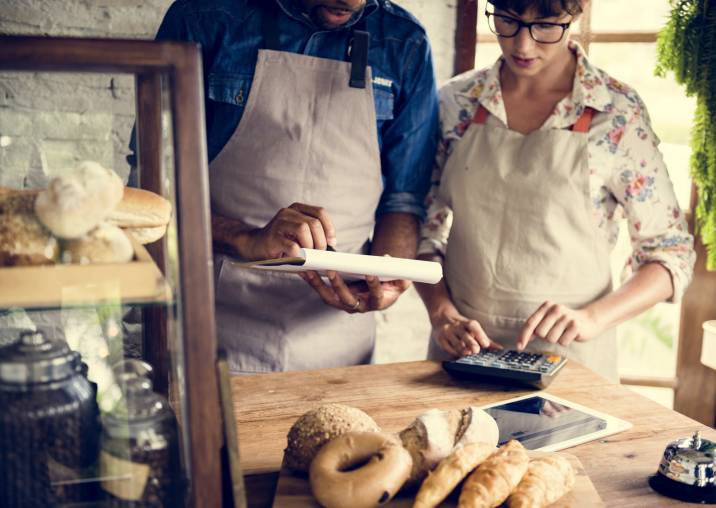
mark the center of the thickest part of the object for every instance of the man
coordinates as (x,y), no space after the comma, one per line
(321,120)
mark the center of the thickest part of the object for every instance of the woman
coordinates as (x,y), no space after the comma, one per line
(540,156)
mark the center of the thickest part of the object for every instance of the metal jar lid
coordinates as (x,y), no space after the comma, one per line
(35,359)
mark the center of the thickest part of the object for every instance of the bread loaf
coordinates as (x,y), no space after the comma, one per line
(141,209)
(23,239)
(104,244)
(434,434)
(316,427)
(146,235)
(80,199)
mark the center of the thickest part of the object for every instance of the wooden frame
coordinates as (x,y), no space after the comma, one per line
(181,64)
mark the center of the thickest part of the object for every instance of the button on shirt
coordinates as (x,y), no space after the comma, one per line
(627,174)
(230,35)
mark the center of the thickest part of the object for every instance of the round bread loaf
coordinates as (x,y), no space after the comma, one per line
(140,208)
(104,244)
(76,202)
(23,239)
(316,427)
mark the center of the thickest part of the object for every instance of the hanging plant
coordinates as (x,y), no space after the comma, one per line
(687,46)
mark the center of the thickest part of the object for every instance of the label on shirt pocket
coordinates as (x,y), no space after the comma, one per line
(230,88)
(384,102)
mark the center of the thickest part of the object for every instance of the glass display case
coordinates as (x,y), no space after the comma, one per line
(108,379)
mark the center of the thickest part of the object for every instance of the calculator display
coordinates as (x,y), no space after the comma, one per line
(538,422)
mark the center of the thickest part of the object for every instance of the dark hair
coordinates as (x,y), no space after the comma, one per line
(546,8)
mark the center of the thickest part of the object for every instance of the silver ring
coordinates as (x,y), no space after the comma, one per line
(356,305)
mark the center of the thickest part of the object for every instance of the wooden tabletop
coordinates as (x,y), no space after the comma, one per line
(266,405)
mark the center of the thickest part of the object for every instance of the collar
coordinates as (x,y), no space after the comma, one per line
(292,10)
(589,90)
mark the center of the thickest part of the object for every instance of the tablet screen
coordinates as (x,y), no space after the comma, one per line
(538,422)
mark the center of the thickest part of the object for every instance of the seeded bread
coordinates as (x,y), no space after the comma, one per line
(316,427)
(23,239)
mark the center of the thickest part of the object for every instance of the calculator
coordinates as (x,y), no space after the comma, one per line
(508,366)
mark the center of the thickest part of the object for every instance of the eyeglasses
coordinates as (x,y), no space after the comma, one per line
(508,27)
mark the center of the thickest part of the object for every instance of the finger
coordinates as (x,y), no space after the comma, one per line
(555,334)
(325,292)
(375,293)
(552,315)
(283,247)
(480,336)
(571,333)
(445,342)
(322,215)
(296,228)
(530,324)
(345,295)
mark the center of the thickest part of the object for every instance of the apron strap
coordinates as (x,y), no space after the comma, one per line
(583,123)
(358,52)
(269,25)
(480,115)
(357,49)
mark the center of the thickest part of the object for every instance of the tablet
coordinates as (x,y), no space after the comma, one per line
(541,421)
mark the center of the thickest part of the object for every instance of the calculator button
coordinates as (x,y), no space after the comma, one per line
(554,358)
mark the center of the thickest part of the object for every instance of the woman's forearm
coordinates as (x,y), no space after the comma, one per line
(651,284)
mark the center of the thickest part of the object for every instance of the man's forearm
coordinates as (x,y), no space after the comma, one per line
(396,234)
(228,235)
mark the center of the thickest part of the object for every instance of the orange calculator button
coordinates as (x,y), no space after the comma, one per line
(554,358)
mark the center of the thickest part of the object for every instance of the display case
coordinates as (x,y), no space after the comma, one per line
(108,377)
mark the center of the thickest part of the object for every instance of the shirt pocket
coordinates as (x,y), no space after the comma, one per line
(384,103)
(230,88)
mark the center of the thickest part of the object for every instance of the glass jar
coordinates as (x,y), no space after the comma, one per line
(139,459)
(49,424)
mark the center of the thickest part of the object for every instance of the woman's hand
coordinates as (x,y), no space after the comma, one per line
(558,324)
(460,336)
(356,297)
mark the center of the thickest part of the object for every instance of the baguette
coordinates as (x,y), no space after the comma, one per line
(491,483)
(547,479)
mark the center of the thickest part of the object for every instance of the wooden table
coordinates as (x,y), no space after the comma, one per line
(266,405)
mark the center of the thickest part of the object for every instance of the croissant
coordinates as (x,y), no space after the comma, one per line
(547,479)
(450,471)
(490,484)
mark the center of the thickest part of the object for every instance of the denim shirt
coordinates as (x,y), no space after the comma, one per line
(230,35)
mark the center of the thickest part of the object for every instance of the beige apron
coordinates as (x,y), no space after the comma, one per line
(523,233)
(305,136)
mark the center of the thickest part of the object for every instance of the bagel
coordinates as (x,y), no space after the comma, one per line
(316,427)
(359,470)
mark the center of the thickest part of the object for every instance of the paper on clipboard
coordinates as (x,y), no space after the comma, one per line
(354,266)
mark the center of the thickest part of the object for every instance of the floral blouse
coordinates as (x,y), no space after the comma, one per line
(627,175)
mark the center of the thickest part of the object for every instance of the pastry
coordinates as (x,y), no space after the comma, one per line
(79,200)
(490,484)
(547,479)
(104,244)
(451,470)
(23,239)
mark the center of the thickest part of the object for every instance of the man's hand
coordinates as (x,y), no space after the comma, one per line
(298,226)
(359,296)
(558,324)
